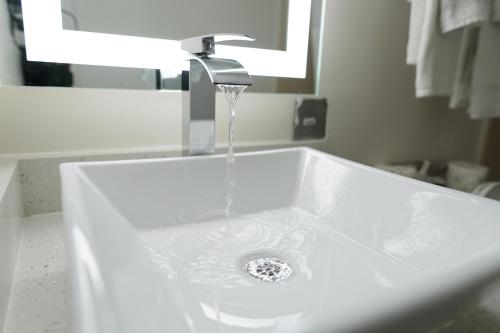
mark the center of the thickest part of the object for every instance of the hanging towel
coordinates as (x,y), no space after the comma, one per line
(465,68)
(455,45)
(485,91)
(456,14)
(438,55)
(415,34)
(468,15)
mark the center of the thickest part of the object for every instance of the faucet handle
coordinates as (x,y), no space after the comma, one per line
(205,45)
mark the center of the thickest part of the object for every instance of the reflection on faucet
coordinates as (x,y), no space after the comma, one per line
(198,104)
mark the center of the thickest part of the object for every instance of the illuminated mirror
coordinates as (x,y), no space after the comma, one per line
(135,43)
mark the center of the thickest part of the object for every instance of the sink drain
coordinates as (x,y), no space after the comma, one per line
(268,269)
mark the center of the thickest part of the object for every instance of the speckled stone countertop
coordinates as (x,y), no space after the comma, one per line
(40,297)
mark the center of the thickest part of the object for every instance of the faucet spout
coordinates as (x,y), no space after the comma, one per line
(225,71)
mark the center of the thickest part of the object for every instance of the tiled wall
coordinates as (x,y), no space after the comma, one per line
(11,215)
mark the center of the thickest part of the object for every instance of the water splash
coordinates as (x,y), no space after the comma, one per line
(232,94)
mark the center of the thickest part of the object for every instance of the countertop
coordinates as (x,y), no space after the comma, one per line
(40,298)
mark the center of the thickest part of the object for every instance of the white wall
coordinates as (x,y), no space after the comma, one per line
(373,115)
(10,63)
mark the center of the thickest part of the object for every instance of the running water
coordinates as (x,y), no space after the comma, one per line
(232,94)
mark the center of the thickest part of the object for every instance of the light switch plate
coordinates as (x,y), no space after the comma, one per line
(310,118)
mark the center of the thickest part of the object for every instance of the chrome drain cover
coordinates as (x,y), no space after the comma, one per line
(268,269)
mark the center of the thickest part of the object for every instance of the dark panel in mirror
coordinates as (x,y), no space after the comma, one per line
(180,19)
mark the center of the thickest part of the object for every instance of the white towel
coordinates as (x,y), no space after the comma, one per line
(415,34)
(438,55)
(485,91)
(465,68)
(456,49)
(467,15)
(456,14)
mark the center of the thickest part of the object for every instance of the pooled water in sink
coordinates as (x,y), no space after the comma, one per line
(232,94)
(213,254)
(203,266)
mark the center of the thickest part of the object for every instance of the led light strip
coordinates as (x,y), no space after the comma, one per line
(46,40)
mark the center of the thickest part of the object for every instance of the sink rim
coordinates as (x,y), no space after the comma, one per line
(303,149)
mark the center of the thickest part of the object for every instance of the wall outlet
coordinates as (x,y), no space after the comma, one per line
(310,118)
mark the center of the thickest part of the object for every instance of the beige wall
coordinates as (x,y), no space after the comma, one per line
(373,116)
(491,153)
(47,120)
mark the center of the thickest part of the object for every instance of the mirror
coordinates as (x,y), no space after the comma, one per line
(133,44)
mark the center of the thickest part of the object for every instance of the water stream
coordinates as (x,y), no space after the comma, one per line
(232,94)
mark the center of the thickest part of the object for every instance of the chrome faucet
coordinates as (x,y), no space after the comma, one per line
(198,103)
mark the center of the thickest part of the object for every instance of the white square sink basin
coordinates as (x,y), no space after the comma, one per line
(318,244)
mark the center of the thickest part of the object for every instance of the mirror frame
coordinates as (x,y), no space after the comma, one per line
(47,40)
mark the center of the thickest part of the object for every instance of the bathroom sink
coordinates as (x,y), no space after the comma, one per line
(315,244)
